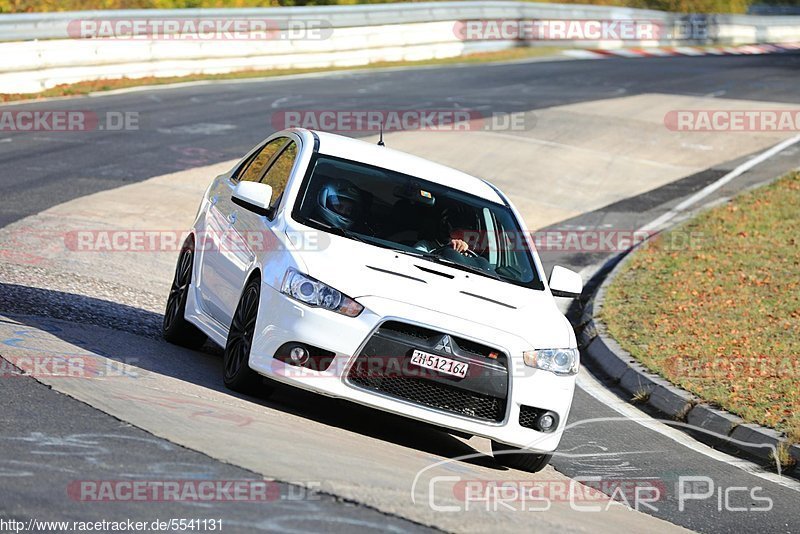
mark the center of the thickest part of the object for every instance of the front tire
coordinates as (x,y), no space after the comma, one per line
(237,373)
(521,459)
(175,328)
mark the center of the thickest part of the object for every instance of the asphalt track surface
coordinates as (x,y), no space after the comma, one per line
(39,170)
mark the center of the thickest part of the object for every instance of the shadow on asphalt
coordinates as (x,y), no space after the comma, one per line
(35,307)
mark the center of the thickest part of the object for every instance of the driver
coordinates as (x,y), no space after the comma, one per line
(339,203)
(452,226)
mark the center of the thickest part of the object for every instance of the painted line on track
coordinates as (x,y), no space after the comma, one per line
(659,222)
(596,389)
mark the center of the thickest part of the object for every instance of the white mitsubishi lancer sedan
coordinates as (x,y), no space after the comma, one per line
(367,274)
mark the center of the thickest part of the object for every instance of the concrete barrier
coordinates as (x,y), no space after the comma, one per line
(39,51)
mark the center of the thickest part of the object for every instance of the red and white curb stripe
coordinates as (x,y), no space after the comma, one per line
(670,51)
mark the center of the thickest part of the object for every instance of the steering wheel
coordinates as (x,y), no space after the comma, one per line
(468,252)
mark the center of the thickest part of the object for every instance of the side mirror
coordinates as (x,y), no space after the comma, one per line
(253,196)
(565,283)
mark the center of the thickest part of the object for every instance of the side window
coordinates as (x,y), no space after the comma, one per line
(278,174)
(252,170)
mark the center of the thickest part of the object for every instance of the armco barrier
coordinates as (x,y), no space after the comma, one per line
(27,26)
(38,52)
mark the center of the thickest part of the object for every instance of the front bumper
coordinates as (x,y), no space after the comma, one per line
(282,320)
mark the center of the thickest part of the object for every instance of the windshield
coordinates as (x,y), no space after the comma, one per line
(415,216)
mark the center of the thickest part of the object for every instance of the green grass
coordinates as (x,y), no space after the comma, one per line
(722,319)
(83,88)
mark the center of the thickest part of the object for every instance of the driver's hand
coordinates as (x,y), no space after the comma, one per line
(459,245)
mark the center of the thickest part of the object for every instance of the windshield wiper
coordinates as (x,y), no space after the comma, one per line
(416,253)
(470,268)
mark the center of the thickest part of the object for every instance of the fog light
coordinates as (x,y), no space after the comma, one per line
(299,355)
(546,422)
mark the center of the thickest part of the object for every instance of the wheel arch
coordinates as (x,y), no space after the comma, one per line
(255,273)
(189,239)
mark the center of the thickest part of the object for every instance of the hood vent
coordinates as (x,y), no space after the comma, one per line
(489,300)
(434,271)
(401,275)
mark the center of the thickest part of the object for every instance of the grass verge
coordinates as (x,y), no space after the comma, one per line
(722,318)
(84,88)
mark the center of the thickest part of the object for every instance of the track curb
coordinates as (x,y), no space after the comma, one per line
(686,51)
(706,422)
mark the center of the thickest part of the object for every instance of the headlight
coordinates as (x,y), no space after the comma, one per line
(315,293)
(559,361)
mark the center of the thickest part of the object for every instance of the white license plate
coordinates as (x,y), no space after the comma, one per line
(438,363)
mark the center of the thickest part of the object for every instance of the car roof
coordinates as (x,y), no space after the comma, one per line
(395,160)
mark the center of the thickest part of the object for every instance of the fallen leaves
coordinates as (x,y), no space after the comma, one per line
(731,310)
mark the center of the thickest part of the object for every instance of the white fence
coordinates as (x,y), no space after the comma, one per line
(38,50)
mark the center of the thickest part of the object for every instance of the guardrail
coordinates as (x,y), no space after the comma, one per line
(43,50)
(27,26)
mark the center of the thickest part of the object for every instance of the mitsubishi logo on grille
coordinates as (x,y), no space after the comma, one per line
(445,345)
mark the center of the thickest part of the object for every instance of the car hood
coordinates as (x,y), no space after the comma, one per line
(363,270)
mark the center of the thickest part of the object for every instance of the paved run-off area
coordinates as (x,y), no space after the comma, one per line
(578,158)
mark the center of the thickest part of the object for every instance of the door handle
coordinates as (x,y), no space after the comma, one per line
(214,200)
(232,218)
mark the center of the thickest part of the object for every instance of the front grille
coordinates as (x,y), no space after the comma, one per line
(422,333)
(410,330)
(478,349)
(383,365)
(433,395)
(528,416)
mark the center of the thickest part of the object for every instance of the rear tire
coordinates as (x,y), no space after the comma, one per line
(521,459)
(237,373)
(175,328)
